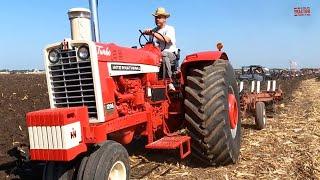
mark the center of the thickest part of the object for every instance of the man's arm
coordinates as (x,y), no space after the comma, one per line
(157,35)
(160,38)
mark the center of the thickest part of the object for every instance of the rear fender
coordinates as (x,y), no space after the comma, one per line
(200,58)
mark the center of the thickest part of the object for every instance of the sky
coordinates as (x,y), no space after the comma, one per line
(252,31)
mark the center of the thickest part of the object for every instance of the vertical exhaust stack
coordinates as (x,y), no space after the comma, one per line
(80,23)
(95,20)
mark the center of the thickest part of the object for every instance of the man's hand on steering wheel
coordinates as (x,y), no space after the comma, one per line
(151,33)
(148,32)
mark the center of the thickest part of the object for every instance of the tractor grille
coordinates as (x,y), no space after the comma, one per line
(72,82)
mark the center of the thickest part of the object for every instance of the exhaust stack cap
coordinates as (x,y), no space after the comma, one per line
(80,23)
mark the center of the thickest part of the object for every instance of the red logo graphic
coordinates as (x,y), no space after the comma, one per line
(73,133)
(302,11)
(64,45)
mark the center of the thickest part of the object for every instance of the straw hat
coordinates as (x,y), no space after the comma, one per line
(161,12)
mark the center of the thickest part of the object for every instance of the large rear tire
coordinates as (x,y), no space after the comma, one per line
(212,110)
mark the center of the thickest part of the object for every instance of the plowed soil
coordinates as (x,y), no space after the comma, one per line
(288,149)
(19,94)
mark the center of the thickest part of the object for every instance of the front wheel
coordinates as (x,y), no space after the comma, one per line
(109,161)
(212,110)
(59,171)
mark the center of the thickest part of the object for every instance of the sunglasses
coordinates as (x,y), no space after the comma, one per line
(160,17)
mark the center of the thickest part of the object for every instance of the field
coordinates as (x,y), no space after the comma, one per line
(289,148)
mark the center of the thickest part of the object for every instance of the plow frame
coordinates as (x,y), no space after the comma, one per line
(249,99)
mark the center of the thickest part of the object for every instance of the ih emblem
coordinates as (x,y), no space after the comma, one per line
(73,133)
(65,45)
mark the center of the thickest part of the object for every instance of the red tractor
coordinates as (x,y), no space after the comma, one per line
(103,96)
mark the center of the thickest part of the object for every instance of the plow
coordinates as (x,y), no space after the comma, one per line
(258,103)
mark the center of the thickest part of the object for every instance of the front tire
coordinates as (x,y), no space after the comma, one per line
(110,161)
(212,110)
(58,171)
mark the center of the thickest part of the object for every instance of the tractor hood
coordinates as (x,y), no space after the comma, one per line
(148,55)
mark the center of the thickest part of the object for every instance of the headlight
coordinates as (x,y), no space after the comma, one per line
(53,56)
(83,52)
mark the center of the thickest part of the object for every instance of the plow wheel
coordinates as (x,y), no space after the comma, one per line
(109,161)
(213,113)
(271,109)
(59,171)
(261,117)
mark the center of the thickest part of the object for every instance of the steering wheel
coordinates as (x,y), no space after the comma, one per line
(151,40)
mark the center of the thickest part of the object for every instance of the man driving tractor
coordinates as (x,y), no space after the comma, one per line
(168,40)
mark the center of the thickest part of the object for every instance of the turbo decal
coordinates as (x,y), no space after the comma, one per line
(103,51)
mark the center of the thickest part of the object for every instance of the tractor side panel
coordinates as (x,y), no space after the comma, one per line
(115,61)
(108,88)
(126,101)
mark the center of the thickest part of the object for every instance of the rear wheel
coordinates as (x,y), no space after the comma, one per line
(110,161)
(261,117)
(212,110)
